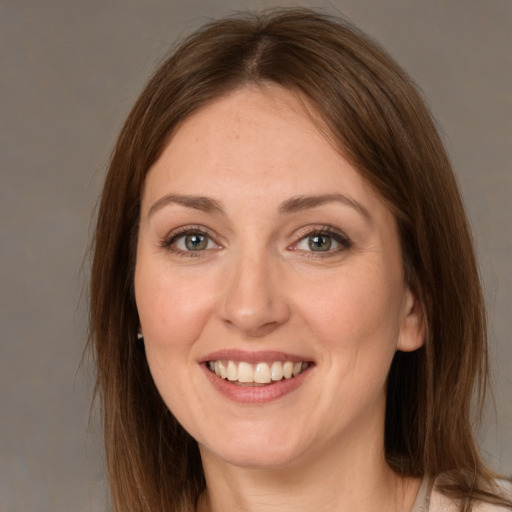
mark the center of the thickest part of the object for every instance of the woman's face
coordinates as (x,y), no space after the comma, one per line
(261,247)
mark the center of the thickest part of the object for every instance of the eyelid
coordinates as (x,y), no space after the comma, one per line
(326,229)
(320,229)
(168,241)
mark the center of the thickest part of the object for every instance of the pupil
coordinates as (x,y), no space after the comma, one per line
(195,242)
(319,243)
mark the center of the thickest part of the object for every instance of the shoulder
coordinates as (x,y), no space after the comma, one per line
(441,503)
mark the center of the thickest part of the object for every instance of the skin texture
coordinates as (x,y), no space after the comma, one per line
(258,286)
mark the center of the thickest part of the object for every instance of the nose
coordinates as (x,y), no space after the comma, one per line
(254,300)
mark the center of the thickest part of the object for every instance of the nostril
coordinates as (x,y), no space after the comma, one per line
(253,300)
(253,330)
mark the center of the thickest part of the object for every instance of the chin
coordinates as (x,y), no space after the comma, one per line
(256,450)
(257,458)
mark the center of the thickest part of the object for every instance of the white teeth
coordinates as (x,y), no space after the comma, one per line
(223,370)
(288,370)
(245,372)
(261,373)
(232,371)
(276,370)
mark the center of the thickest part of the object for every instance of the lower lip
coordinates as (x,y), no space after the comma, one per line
(255,394)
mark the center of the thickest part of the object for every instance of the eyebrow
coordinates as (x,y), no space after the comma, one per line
(204,204)
(292,205)
(300,203)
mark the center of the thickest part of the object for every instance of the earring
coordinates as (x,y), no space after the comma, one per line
(140,336)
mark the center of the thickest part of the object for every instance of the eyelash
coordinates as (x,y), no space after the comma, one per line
(169,241)
(326,230)
(329,231)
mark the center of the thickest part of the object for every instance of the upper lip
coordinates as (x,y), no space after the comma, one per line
(265,356)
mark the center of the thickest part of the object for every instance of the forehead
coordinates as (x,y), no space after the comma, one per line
(237,125)
(259,141)
(253,116)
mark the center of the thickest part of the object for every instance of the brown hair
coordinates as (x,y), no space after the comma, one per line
(380,122)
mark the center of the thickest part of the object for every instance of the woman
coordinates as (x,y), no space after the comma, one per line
(285,304)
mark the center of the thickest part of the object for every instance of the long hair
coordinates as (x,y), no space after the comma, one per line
(376,116)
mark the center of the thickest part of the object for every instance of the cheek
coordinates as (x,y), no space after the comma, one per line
(356,318)
(172,309)
(355,308)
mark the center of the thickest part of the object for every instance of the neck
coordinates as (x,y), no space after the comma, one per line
(340,479)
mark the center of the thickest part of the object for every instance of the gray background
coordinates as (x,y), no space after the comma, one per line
(69,72)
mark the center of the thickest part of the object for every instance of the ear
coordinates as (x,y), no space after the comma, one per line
(413,329)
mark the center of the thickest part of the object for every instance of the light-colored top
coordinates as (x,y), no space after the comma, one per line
(429,499)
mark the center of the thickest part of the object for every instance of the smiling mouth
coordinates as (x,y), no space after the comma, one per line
(242,373)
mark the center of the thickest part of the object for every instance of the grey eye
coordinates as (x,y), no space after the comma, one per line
(196,242)
(319,242)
